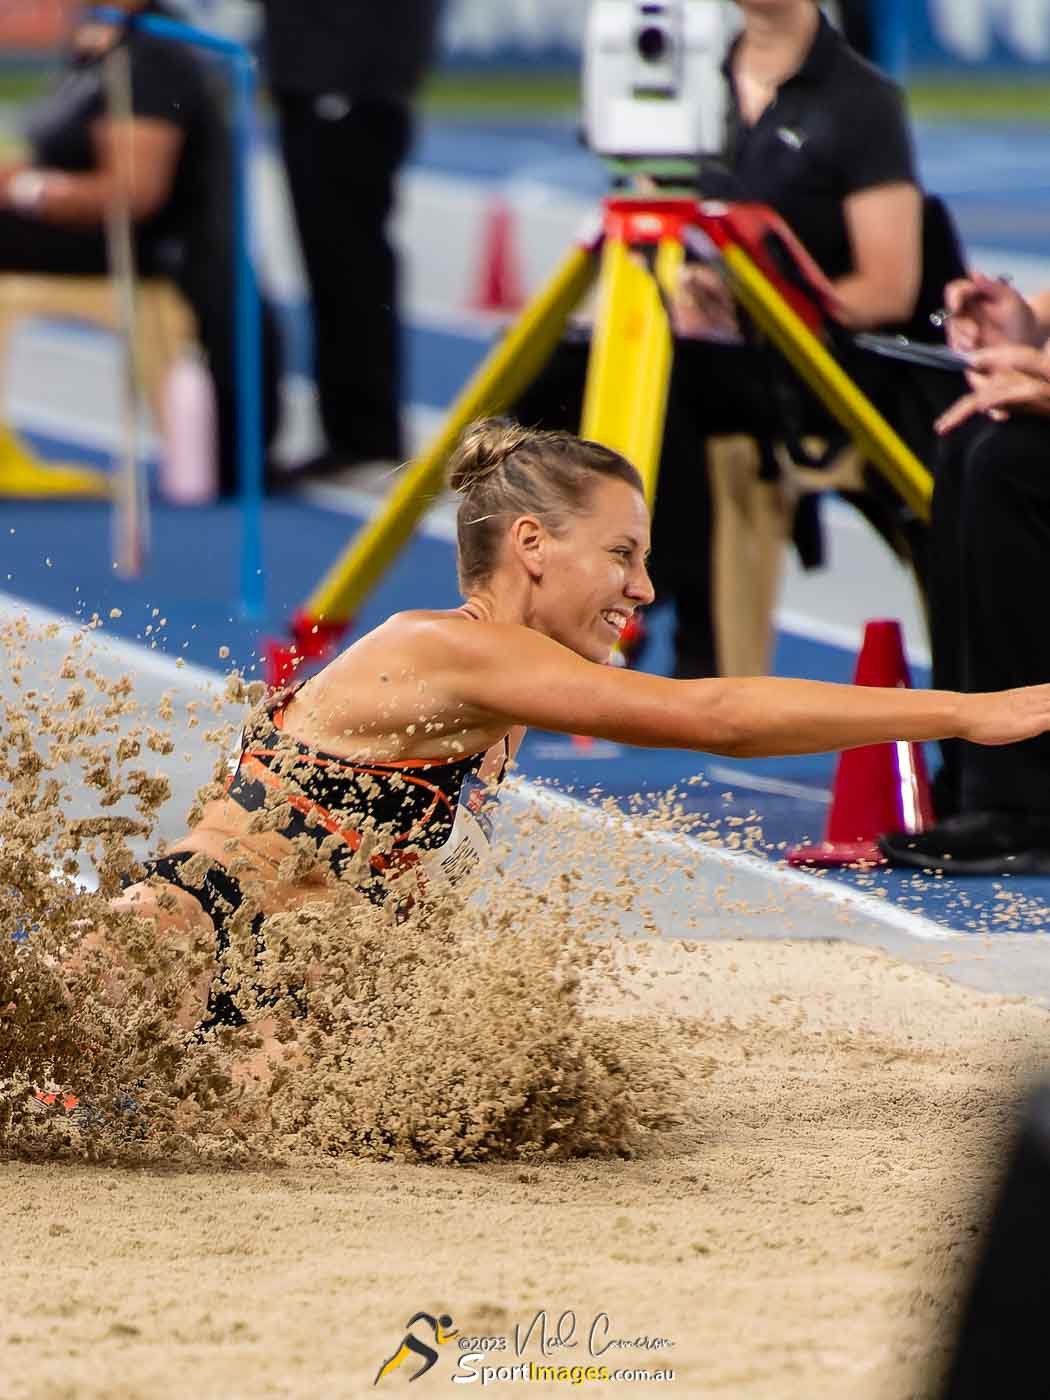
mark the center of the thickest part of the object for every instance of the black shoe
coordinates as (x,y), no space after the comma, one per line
(277,479)
(975,843)
(336,461)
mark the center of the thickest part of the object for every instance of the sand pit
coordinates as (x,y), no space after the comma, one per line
(806,1229)
(771,1156)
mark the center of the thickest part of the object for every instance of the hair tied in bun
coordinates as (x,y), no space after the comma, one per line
(482,450)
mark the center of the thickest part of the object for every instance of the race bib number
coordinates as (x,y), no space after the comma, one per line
(469,846)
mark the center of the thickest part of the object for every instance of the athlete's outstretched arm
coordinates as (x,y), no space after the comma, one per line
(522,676)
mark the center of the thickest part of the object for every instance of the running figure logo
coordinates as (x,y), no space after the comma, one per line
(412,1345)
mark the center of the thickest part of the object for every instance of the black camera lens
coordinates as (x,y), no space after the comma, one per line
(653,43)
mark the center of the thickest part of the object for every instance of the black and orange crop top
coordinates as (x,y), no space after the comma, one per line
(442,807)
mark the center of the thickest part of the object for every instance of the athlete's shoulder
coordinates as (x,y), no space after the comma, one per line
(452,631)
(460,648)
(423,626)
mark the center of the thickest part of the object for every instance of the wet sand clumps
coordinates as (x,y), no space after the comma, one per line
(454,1030)
(457,1037)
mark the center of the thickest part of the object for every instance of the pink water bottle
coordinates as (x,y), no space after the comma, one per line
(189,465)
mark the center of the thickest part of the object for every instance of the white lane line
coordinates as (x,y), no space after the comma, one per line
(131,656)
(837,894)
(439,523)
(759,782)
(837,634)
(128,655)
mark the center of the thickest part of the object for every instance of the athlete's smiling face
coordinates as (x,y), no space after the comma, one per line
(592,572)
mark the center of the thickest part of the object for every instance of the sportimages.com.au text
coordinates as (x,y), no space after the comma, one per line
(480,1358)
(497,1358)
(474,1368)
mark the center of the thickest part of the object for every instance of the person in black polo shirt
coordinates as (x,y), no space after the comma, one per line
(342,74)
(820,135)
(53,208)
(817,133)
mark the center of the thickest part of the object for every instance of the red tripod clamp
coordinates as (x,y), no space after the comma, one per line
(777,253)
(312,639)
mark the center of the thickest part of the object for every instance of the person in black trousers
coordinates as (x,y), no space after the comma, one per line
(342,74)
(989,580)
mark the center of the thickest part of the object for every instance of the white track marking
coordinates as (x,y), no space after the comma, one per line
(759,782)
(838,895)
(129,656)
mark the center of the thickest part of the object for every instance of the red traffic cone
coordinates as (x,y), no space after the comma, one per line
(882,787)
(499,285)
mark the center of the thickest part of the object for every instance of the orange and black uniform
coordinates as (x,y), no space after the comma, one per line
(403,809)
(410,804)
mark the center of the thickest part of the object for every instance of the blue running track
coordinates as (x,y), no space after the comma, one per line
(997,181)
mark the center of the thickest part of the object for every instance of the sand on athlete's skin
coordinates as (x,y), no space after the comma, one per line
(806,1230)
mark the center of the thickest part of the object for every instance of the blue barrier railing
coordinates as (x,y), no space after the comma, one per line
(248,309)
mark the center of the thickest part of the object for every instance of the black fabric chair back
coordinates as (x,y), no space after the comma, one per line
(942,262)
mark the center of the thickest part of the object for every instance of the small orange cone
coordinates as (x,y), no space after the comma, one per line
(882,787)
(499,285)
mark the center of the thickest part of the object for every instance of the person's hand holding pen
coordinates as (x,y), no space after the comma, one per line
(981,312)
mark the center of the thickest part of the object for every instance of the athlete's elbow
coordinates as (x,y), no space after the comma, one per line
(721,726)
(742,745)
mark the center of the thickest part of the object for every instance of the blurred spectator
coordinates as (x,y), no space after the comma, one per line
(989,583)
(53,208)
(1001,1346)
(342,74)
(856,21)
(821,136)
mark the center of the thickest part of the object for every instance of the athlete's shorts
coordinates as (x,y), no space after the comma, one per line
(220,895)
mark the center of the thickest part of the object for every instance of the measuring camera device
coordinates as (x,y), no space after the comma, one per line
(652,89)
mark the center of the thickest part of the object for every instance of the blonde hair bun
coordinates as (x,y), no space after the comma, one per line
(483,449)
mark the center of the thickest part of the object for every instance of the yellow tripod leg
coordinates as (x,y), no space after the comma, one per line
(797,343)
(505,373)
(629,371)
